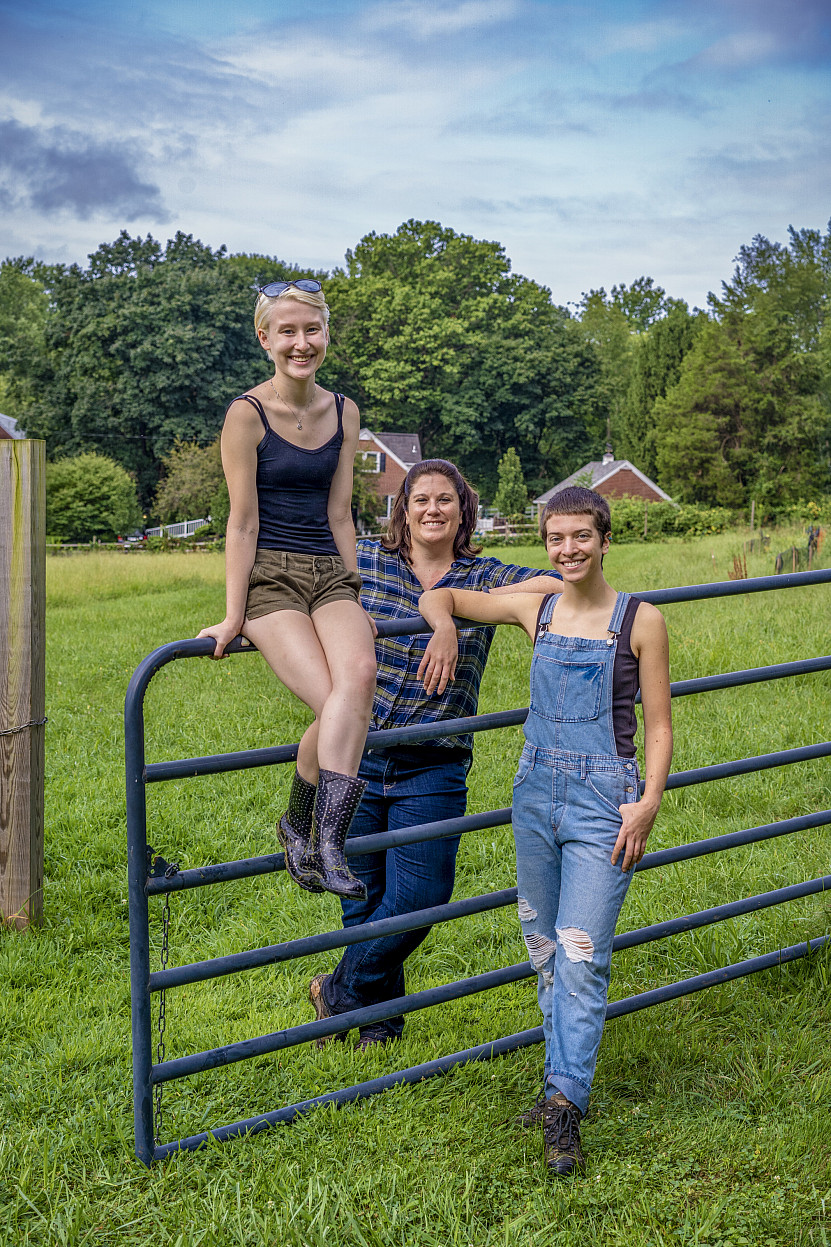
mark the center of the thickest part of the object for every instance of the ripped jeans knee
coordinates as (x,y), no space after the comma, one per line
(576,943)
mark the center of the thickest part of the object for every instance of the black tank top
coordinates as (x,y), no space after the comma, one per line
(293,488)
(625,682)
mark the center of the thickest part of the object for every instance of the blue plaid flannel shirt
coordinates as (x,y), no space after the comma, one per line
(390,590)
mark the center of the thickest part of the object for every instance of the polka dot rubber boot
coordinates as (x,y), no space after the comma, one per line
(294,831)
(336,804)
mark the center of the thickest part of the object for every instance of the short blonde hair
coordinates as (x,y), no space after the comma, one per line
(265,305)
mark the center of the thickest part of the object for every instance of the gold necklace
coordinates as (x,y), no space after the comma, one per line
(303,410)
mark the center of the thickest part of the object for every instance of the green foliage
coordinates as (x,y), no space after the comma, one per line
(512,495)
(24,306)
(607,329)
(643,303)
(640,336)
(90,497)
(367,505)
(145,346)
(656,366)
(664,519)
(432,332)
(192,480)
(220,508)
(750,416)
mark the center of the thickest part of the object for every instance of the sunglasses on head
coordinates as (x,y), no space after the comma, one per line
(273,288)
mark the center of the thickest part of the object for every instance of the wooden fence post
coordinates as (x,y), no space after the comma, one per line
(22,669)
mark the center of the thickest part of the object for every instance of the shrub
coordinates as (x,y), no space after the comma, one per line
(512,495)
(193,477)
(90,498)
(664,519)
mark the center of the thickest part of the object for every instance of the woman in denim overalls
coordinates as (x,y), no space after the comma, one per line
(579,827)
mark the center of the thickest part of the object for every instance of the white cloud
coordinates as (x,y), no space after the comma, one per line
(739,50)
(421,20)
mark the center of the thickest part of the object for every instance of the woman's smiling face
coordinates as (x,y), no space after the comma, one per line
(434,512)
(296,338)
(574,546)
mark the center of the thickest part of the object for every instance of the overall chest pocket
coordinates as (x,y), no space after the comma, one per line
(567,691)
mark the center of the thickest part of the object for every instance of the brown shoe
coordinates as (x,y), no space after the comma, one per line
(373,1037)
(561,1131)
(533,1115)
(321,1008)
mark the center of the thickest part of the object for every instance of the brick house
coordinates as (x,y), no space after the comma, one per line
(9,427)
(389,457)
(611,477)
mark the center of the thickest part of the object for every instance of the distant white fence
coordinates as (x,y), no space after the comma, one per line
(185,529)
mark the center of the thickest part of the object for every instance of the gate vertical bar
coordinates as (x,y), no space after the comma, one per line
(139,915)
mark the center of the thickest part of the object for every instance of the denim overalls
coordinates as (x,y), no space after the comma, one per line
(567,791)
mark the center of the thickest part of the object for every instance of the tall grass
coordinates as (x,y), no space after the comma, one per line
(709,1117)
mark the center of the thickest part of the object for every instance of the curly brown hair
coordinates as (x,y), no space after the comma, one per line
(397,536)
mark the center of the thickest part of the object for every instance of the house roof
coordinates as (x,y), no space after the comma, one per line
(405,448)
(9,427)
(601,471)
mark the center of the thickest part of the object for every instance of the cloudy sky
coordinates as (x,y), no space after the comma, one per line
(597,140)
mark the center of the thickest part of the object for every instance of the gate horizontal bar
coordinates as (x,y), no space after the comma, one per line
(720,913)
(213,1058)
(216,967)
(203,647)
(747,766)
(356,846)
(733,840)
(245,759)
(310,945)
(731,588)
(276,1041)
(487,1051)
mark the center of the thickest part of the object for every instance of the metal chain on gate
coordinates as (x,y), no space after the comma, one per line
(158,866)
(160,1048)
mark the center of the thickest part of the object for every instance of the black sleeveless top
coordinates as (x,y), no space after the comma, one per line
(293,488)
(625,681)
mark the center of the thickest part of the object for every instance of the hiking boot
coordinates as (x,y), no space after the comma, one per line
(533,1115)
(336,804)
(373,1037)
(294,831)
(321,1009)
(561,1131)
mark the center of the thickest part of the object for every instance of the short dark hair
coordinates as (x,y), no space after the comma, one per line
(397,536)
(577,500)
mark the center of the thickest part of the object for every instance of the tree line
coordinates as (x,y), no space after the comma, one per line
(135,356)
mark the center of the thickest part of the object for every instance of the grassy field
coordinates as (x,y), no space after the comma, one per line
(709,1121)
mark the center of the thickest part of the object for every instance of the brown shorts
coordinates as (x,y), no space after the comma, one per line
(281,580)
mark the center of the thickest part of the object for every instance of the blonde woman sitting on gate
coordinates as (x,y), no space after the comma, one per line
(292,584)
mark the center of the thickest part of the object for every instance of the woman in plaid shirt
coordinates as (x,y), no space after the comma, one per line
(427,545)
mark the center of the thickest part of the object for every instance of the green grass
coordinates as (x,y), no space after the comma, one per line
(709,1120)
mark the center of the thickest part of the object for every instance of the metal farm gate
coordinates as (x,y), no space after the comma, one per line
(151,876)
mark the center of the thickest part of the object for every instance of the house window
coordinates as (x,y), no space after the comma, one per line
(372,460)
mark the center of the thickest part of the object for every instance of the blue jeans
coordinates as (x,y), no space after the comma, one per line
(404,787)
(566,820)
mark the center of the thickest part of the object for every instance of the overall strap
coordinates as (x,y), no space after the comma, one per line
(545,612)
(616,622)
(255,402)
(339,401)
